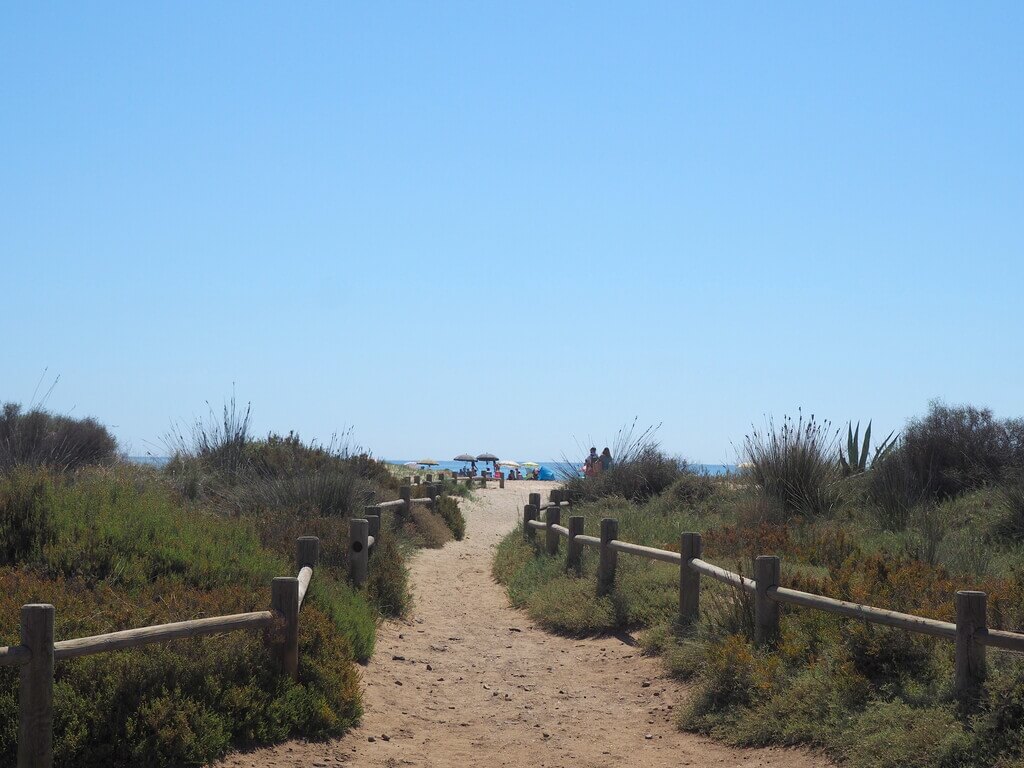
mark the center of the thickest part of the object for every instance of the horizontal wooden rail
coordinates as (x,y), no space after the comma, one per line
(14,655)
(132,638)
(561,530)
(998,638)
(395,503)
(905,621)
(370,541)
(722,575)
(651,553)
(424,500)
(538,524)
(589,541)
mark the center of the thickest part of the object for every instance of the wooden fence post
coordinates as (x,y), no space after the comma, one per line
(35,695)
(970,654)
(307,552)
(416,479)
(405,494)
(609,557)
(767,569)
(373,512)
(284,599)
(574,556)
(358,550)
(430,478)
(552,517)
(501,480)
(690,547)
(372,529)
(529,532)
(534,498)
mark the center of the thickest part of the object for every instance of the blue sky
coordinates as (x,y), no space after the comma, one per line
(511,226)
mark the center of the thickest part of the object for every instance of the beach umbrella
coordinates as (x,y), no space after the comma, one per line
(487,457)
(506,463)
(412,464)
(427,462)
(529,464)
(464,457)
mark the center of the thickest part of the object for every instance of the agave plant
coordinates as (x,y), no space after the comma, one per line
(856,459)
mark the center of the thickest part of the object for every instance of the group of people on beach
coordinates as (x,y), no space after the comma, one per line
(513,473)
(594,465)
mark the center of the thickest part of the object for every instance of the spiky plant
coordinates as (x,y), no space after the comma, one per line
(856,459)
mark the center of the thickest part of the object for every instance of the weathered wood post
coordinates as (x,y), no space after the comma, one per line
(609,557)
(970,654)
(529,514)
(574,556)
(405,494)
(690,547)
(416,479)
(767,569)
(374,529)
(552,518)
(534,498)
(307,552)
(373,515)
(501,480)
(35,694)
(284,599)
(358,550)
(555,496)
(430,478)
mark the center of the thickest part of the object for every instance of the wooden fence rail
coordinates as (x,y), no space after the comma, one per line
(37,652)
(969,632)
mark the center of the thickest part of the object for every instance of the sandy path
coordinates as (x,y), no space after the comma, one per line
(469,681)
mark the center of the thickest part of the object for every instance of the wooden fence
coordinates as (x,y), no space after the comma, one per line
(470,480)
(37,652)
(969,633)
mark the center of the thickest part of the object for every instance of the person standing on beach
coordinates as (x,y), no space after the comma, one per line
(606,459)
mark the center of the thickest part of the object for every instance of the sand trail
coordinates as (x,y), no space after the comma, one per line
(469,681)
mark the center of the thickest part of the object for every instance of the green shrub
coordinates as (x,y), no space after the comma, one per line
(452,516)
(25,524)
(950,450)
(426,528)
(795,466)
(894,733)
(37,438)
(121,553)
(637,478)
(387,583)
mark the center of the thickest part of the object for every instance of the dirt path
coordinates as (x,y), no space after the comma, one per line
(469,681)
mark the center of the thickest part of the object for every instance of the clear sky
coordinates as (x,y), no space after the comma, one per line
(512,226)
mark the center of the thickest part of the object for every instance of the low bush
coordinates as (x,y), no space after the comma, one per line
(637,478)
(38,438)
(387,583)
(426,528)
(948,451)
(795,466)
(25,522)
(451,513)
(122,553)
